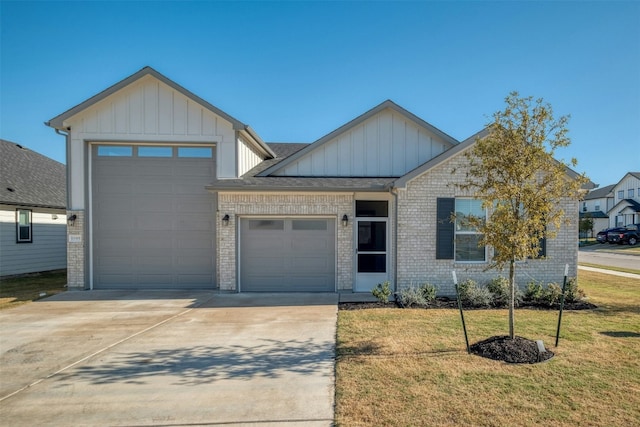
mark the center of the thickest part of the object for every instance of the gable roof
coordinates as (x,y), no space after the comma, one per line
(403,180)
(58,121)
(252,181)
(464,145)
(352,124)
(623,204)
(28,178)
(599,193)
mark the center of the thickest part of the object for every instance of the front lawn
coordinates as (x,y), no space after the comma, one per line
(24,289)
(410,367)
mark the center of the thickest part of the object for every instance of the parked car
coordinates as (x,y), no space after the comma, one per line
(601,237)
(628,234)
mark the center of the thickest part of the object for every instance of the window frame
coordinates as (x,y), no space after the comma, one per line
(20,227)
(461,230)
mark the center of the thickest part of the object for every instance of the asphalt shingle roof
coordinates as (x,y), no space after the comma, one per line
(28,178)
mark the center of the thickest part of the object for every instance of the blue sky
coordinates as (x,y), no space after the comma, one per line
(296,71)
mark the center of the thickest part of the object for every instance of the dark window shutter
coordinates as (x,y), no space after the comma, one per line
(542,245)
(445,228)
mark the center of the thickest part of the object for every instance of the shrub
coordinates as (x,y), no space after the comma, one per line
(572,292)
(534,292)
(552,294)
(382,291)
(428,292)
(472,295)
(411,295)
(500,290)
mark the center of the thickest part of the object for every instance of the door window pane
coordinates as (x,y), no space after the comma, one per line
(115,151)
(266,224)
(372,236)
(372,263)
(155,152)
(375,208)
(196,152)
(309,224)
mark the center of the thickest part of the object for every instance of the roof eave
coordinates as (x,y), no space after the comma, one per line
(58,122)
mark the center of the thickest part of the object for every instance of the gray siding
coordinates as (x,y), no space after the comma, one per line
(47,251)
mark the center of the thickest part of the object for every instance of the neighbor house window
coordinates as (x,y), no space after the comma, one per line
(456,237)
(630,193)
(621,194)
(23,226)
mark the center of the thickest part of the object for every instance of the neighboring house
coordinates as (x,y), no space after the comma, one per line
(626,201)
(171,192)
(596,204)
(33,224)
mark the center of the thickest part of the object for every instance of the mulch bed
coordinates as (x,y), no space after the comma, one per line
(516,350)
(452,303)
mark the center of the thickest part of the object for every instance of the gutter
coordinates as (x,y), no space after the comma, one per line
(67,137)
(394,192)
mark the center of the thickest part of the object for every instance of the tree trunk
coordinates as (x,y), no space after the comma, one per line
(512,296)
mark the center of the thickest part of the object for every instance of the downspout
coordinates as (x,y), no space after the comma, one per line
(394,192)
(67,155)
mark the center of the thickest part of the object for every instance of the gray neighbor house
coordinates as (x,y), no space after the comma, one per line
(170,192)
(33,224)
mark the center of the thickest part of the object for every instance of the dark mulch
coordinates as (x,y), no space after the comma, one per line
(452,303)
(516,350)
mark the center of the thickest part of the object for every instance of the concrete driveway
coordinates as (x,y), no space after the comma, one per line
(169,359)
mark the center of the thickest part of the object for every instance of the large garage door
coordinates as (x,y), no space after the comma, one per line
(287,255)
(153,221)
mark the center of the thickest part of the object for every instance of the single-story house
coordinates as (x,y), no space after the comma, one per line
(171,192)
(33,224)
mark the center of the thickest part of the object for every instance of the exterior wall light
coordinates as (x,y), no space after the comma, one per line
(345,220)
(71,220)
(225,220)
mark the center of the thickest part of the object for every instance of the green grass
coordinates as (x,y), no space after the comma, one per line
(16,291)
(410,367)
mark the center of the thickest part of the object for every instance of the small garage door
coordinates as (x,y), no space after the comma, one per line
(287,255)
(152,219)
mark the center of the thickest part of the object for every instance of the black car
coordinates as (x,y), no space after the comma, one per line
(602,235)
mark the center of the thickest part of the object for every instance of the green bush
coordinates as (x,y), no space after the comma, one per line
(572,292)
(552,294)
(382,291)
(428,292)
(500,290)
(534,292)
(472,295)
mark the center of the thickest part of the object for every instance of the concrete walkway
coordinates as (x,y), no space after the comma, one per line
(168,359)
(612,272)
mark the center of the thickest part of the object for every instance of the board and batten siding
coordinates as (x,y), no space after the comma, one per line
(387,144)
(47,251)
(147,111)
(248,157)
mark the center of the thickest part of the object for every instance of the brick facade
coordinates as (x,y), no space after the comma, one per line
(76,250)
(417,261)
(238,205)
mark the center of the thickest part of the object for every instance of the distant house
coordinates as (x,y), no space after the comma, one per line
(33,224)
(171,192)
(626,201)
(596,204)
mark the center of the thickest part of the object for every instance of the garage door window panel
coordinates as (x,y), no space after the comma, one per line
(115,151)
(195,152)
(155,151)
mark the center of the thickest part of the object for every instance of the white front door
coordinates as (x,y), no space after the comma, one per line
(371,253)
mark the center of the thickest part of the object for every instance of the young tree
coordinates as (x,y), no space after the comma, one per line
(514,172)
(586,226)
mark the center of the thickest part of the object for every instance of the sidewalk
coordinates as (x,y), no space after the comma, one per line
(612,272)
